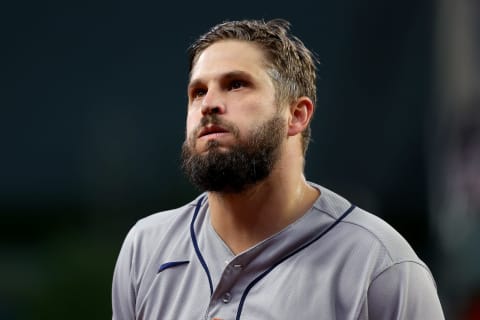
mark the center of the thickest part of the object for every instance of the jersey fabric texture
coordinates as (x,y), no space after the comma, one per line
(335,262)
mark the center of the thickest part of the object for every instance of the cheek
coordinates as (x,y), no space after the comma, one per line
(258,106)
(190,124)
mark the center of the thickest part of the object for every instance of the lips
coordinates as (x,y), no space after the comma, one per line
(211,129)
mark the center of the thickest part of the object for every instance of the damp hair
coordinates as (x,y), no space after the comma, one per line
(290,64)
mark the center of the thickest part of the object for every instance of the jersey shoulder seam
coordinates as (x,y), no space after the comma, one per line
(386,249)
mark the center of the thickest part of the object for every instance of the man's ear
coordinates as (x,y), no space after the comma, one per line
(300,114)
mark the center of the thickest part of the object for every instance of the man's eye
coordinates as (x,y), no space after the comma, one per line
(197,93)
(236,84)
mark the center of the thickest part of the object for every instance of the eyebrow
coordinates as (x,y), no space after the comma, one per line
(227,76)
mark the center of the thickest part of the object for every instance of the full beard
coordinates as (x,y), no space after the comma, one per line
(242,166)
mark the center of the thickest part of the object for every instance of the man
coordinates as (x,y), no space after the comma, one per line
(262,242)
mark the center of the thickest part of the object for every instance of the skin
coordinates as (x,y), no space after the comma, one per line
(230,79)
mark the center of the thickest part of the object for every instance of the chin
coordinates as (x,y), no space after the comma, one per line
(213,145)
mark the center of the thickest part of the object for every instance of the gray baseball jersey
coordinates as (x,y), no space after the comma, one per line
(336,262)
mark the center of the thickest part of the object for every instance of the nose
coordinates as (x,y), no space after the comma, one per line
(213,102)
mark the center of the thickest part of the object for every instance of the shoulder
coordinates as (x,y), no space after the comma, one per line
(362,228)
(390,241)
(162,218)
(168,224)
(162,233)
(394,275)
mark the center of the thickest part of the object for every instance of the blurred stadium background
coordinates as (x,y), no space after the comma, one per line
(92,119)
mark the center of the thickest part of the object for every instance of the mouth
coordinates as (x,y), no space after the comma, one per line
(211,129)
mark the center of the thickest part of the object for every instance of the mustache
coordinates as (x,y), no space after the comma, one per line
(213,119)
(209,119)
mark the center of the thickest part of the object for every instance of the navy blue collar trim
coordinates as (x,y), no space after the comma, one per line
(262,275)
(257,279)
(195,243)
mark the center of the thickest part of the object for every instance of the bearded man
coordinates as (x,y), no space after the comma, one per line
(262,242)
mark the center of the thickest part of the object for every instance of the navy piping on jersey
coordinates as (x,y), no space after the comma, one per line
(261,276)
(171,265)
(195,243)
(257,279)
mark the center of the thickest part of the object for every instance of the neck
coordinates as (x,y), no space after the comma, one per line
(244,219)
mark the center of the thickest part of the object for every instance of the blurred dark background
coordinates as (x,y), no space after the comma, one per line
(93,109)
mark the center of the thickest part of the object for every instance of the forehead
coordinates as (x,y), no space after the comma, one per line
(230,55)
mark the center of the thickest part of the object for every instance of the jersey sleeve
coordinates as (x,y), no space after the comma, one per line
(404,291)
(123,290)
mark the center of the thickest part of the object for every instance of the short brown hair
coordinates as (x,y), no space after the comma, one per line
(293,67)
